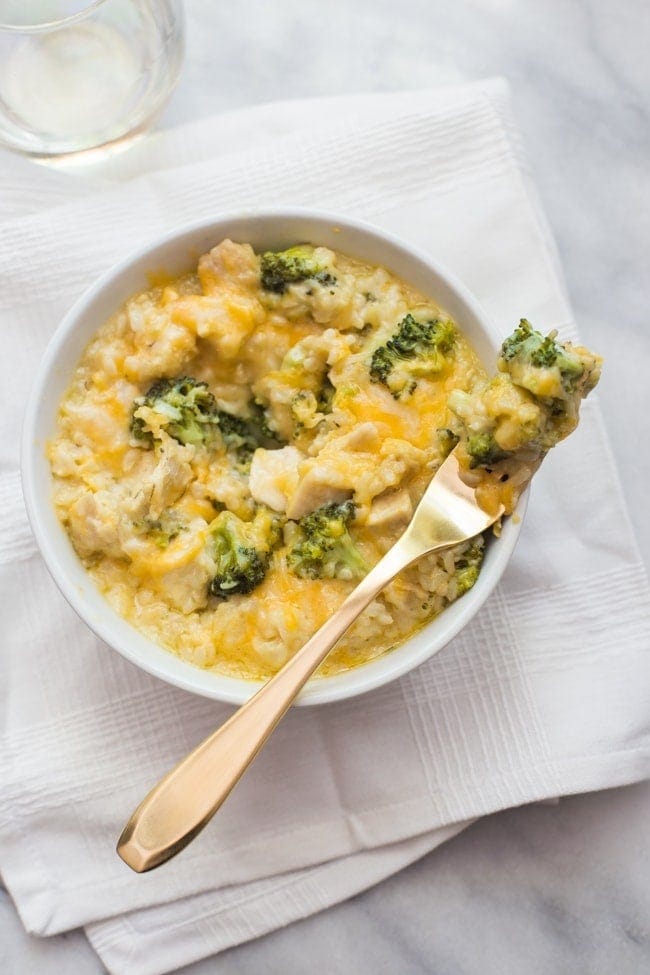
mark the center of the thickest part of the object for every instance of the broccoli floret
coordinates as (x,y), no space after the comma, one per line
(304,408)
(190,415)
(484,450)
(527,350)
(240,438)
(416,349)
(282,268)
(240,567)
(188,409)
(531,404)
(447,440)
(469,566)
(308,408)
(259,423)
(514,344)
(557,376)
(161,531)
(382,363)
(326,395)
(241,552)
(325,549)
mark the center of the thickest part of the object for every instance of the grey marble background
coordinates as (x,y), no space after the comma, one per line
(542,890)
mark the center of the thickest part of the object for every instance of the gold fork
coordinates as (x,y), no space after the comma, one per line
(176,809)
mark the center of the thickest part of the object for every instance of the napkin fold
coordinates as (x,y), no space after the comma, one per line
(544,694)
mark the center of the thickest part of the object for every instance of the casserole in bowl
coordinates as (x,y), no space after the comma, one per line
(173,256)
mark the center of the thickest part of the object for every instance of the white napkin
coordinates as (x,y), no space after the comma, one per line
(546,693)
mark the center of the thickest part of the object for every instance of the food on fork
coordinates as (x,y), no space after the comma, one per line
(508,424)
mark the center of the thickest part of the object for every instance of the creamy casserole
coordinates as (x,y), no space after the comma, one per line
(238,446)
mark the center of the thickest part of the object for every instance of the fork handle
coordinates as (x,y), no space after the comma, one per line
(181,804)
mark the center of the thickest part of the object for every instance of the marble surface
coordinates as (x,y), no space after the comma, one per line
(541,890)
(545,889)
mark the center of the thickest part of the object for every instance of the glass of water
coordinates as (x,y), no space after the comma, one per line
(77,76)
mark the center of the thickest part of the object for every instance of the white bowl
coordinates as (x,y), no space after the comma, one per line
(177,253)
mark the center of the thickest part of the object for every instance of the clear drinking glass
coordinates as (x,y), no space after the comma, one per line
(75,76)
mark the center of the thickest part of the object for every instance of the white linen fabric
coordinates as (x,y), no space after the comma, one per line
(546,693)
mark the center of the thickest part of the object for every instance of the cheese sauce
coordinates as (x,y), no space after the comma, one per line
(268,354)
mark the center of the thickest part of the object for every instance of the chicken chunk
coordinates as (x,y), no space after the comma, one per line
(229,264)
(274,476)
(316,488)
(162,347)
(364,437)
(95,524)
(390,509)
(170,477)
(223,320)
(186,587)
(335,474)
(229,309)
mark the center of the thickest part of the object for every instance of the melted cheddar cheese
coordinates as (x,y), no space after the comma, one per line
(219,326)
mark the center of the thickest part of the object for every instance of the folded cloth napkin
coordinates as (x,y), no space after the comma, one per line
(544,694)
